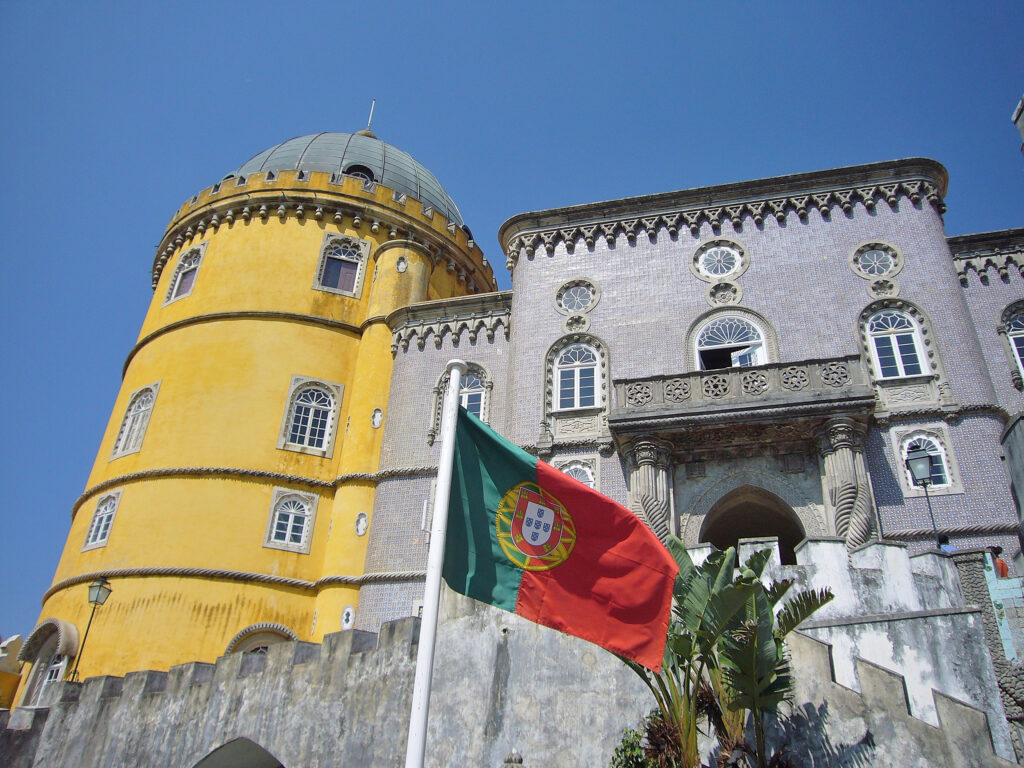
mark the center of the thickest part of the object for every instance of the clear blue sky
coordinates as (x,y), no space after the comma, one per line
(115,113)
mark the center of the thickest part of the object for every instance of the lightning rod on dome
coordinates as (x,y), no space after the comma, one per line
(369,120)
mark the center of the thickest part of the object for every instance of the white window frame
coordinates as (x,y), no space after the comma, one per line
(899,355)
(98,533)
(1013,341)
(134,424)
(298,385)
(280,496)
(586,466)
(700,271)
(756,353)
(362,247)
(577,368)
(194,257)
(937,433)
(473,369)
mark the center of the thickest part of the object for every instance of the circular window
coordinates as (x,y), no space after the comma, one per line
(874,260)
(577,296)
(719,259)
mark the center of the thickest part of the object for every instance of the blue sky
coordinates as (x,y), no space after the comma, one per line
(115,113)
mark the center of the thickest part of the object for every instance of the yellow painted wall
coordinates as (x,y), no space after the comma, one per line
(224,384)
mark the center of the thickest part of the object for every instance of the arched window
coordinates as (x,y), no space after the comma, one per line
(730,342)
(474,396)
(936,454)
(102,519)
(1015,332)
(47,649)
(576,374)
(580,470)
(135,421)
(1012,332)
(184,278)
(342,263)
(895,344)
(257,638)
(291,520)
(471,394)
(309,421)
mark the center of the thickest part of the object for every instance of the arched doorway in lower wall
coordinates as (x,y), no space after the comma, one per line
(750,512)
(239,753)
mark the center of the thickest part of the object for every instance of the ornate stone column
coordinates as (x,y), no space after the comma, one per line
(846,480)
(650,483)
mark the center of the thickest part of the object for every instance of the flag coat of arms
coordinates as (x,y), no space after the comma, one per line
(529,539)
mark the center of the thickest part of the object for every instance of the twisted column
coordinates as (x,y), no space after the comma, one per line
(650,483)
(846,480)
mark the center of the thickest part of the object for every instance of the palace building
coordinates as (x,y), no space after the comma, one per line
(751,360)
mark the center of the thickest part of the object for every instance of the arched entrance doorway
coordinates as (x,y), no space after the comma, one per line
(750,512)
(239,753)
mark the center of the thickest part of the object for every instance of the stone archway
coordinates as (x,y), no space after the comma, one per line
(239,753)
(751,512)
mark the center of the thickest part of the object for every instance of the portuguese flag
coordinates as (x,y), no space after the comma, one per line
(527,538)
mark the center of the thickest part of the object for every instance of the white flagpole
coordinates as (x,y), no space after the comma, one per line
(435,560)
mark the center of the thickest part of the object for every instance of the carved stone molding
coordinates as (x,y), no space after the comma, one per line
(649,463)
(847,487)
(756,209)
(453,318)
(999,252)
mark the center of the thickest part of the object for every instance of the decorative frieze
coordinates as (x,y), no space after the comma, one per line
(464,317)
(693,218)
(999,252)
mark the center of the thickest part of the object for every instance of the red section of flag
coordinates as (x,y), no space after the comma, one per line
(615,589)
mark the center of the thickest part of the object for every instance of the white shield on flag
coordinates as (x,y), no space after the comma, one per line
(537,523)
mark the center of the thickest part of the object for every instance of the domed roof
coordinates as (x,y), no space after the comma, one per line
(360,154)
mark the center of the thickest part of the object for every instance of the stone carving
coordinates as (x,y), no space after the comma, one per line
(754,383)
(716,215)
(794,378)
(576,323)
(716,386)
(677,390)
(649,464)
(576,425)
(883,289)
(835,374)
(471,324)
(846,480)
(908,394)
(638,394)
(1006,259)
(723,293)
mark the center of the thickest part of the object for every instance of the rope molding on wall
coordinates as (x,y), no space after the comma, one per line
(324,322)
(956,530)
(246,577)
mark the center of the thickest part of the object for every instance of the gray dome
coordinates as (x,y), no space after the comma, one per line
(340,152)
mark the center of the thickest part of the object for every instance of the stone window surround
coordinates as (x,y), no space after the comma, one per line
(601,372)
(201,250)
(939,432)
(298,383)
(867,245)
(719,241)
(928,350)
(771,345)
(363,246)
(119,451)
(310,500)
(243,641)
(590,465)
(1016,369)
(595,293)
(441,387)
(116,496)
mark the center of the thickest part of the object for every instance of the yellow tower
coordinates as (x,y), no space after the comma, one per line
(236,472)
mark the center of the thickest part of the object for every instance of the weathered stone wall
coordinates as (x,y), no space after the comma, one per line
(919,691)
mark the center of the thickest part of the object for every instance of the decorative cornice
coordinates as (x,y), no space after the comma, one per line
(952,530)
(917,179)
(949,413)
(323,322)
(255,196)
(452,317)
(1002,250)
(246,577)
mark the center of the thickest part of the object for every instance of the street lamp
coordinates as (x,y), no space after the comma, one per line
(99,591)
(919,462)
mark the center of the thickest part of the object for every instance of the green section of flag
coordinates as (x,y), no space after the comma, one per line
(485,468)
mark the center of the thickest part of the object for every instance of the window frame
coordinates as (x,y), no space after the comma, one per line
(588,466)
(362,247)
(1014,354)
(760,349)
(474,369)
(701,273)
(199,251)
(140,427)
(280,496)
(899,354)
(95,522)
(938,434)
(298,385)
(577,385)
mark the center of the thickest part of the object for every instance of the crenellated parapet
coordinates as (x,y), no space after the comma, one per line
(1001,252)
(916,180)
(346,201)
(467,316)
